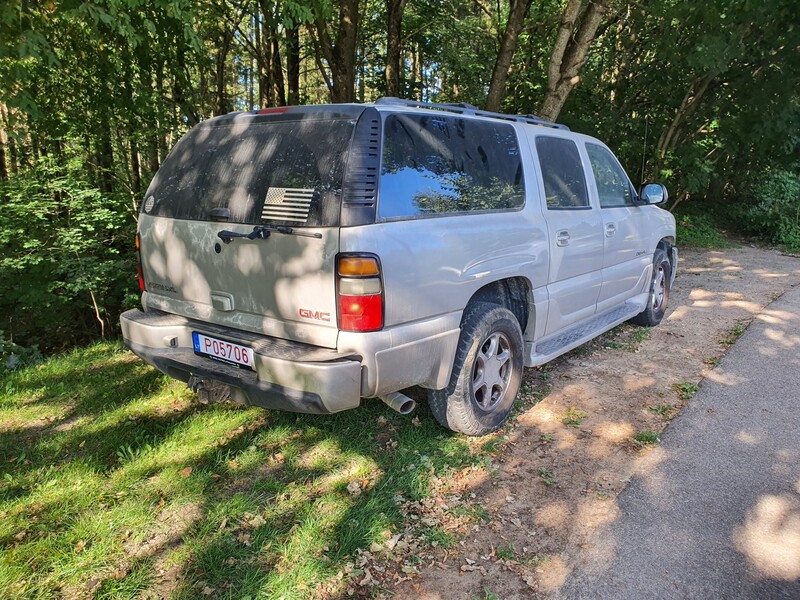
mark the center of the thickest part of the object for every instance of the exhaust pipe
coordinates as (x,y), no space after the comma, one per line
(399,402)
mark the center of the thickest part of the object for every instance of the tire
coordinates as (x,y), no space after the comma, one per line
(658,298)
(490,334)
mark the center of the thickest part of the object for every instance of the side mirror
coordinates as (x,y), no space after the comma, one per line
(653,193)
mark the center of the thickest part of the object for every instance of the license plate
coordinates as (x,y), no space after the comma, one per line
(227,352)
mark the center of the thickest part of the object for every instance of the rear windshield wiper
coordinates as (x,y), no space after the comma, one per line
(262,232)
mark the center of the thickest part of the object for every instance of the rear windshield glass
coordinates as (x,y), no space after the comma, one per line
(286,172)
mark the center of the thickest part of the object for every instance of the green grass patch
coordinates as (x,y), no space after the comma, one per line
(548,477)
(113,474)
(698,231)
(662,410)
(646,438)
(735,332)
(573,417)
(686,390)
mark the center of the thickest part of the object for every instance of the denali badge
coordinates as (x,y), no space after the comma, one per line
(148,204)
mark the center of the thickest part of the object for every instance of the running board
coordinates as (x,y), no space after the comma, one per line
(546,350)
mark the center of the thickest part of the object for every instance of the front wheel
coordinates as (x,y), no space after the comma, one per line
(658,299)
(486,373)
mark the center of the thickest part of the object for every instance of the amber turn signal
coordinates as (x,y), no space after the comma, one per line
(355,266)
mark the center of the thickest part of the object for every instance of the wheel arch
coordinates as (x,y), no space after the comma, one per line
(514,293)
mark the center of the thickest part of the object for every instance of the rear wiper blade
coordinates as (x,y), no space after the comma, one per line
(262,232)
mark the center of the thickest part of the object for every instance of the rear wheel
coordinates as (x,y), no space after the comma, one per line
(486,374)
(658,299)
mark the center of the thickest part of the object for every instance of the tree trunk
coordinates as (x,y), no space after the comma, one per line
(571,48)
(293,65)
(340,52)
(277,72)
(3,143)
(136,170)
(105,155)
(394,30)
(691,101)
(222,106)
(508,45)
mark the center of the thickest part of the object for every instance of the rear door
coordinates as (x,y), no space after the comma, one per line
(575,234)
(234,175)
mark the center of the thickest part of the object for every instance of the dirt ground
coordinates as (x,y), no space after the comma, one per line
(555,483)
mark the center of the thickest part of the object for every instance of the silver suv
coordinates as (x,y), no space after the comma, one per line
(305,258)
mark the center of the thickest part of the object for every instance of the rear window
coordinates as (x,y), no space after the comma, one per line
(286,172)
(562,172)
(435,165)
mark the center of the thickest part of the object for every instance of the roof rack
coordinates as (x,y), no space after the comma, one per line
(463,108)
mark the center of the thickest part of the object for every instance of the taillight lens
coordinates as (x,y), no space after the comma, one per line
(139,264)
(360,291)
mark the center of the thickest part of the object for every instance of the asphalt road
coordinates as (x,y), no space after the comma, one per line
(715,512)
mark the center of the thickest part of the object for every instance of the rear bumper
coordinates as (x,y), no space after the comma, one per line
(288,375)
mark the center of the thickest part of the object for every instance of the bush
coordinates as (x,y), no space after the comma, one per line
(774,212)
(698,231)
(67,265)
(14,357)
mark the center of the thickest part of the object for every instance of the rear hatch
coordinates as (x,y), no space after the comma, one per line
(276,177)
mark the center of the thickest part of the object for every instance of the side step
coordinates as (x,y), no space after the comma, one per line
(564,341)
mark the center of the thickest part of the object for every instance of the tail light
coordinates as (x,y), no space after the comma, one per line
(139,263)
(360,291)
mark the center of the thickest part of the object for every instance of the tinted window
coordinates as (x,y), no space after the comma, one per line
(436,165)
(613,186)
(562,173)
(286,171)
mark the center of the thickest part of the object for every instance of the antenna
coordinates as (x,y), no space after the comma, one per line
(644,151)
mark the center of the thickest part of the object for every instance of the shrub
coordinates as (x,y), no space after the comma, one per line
(774,212)
(67,263)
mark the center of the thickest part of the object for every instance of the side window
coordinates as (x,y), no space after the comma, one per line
(434,165)
(613,186)
(562,173)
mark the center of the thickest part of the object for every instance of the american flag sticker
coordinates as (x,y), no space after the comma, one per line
(287,204)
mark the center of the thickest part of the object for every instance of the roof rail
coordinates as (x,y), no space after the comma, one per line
(463,108)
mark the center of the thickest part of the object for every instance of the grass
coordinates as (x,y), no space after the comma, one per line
(548,477)
(698,231)
(112,474)
(573,416)
(505,552)
(735,332)
(662,410)
(646,438)
(686,390)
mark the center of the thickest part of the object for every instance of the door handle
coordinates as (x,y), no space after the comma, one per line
(562,238)
(611,229)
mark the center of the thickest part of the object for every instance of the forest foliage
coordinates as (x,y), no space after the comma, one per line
(702,96)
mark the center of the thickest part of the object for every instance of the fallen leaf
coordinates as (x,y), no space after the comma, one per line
(382,420)
(416,422)
(353,488)
(207,591)
(185,472)
(244,538)
(20,536)
(257,521)
(80,546)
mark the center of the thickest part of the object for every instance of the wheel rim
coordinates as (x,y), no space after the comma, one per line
(492,371)
(659,293)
